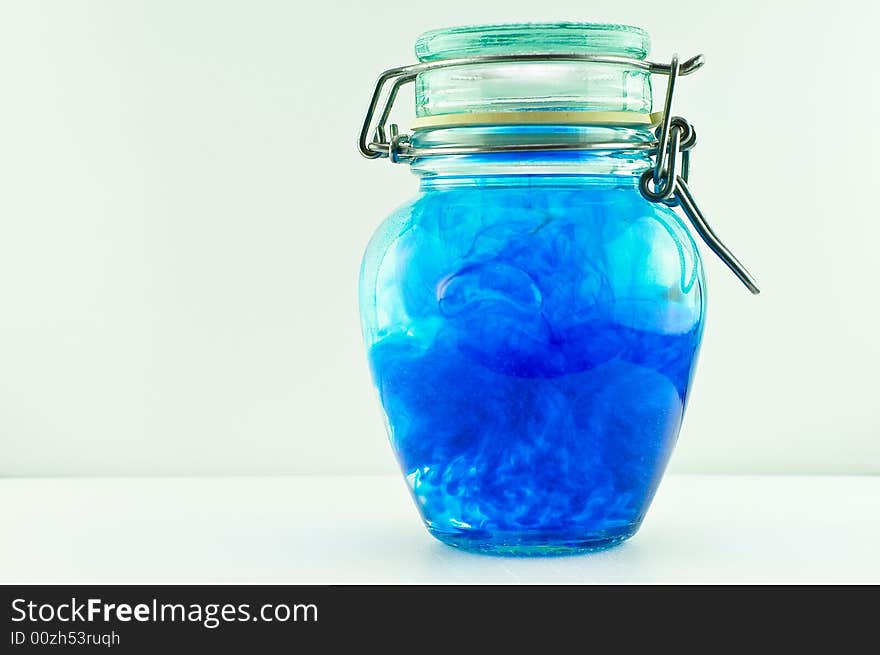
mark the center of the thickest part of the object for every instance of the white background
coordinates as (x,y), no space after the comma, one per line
(183,212)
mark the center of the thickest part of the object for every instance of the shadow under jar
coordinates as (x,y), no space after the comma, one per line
(532,321)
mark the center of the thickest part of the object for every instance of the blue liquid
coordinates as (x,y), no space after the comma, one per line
(533,343)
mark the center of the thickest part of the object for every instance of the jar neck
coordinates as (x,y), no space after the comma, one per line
(621,164)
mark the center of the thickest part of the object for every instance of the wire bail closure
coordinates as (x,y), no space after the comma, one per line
(666,182)
(675,140)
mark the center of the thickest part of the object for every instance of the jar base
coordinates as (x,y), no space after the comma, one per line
(533,545)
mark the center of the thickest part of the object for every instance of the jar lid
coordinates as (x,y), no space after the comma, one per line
(555,85)
(524,38)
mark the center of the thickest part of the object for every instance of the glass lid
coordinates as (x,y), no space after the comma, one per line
(525,38)
(524,86)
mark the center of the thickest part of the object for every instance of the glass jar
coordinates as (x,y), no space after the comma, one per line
(532,319)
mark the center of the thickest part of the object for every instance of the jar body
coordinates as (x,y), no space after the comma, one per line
(533,340)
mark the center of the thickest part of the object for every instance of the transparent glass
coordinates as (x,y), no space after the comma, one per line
(533,339)
(547,86)
(526,38)
(532,326)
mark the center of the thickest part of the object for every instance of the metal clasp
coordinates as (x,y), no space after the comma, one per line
(667,182)
(675,139)
(373,142)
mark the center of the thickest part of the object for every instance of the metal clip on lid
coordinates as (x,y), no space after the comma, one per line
(666,182)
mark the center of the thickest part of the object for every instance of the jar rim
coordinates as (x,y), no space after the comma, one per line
(527,67)
(529,38)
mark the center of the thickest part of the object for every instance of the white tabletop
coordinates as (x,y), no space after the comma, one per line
(337,530)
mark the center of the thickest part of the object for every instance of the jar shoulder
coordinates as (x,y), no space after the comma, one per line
(473,222)
(563,254)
